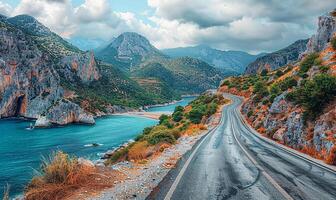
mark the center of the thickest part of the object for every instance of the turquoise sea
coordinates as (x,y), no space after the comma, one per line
(21,150)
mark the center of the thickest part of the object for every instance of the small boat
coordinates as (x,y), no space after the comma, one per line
(31,127)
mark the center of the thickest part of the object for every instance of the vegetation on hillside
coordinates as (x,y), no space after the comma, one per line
(60,175)
(183,121)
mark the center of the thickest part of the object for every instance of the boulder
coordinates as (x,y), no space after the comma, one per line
(42,122)
(280,104)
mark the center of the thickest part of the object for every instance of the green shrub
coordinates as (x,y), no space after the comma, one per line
(226,82)
(195,115)
(275,89)
(161,136)
(333,43)
(179,108)
(308,62)
(264,72)
(314,94)
(177,116)
(289,82)
(163,118)
(249,113)
(260,90)
(272,97)
(279,73)
(265,101)
(324,68)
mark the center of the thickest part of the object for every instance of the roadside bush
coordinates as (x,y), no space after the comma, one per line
(314,94)
(333,43)
(226,82)
(249,113)
(195,115)
(161,136)
(265,101)
(177,116)
(308,62)
(59,174)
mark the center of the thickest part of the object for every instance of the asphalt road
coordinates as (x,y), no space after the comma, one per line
(233,163)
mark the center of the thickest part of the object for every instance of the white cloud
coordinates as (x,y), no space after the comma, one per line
(251,25)
(5,9)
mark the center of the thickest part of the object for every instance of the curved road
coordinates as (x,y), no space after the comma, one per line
(231,162)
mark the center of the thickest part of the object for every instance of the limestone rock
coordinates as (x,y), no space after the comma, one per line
(326,30)
(42,121)
(280,104)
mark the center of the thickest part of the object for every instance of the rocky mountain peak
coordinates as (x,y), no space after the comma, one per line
(129,44)
(326,30)
(30,25)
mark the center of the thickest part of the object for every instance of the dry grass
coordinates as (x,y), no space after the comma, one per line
(60,176)
(139,151)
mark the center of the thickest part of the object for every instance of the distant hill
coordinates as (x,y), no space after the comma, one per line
(155,71)
(230,62)
(127,50)
(279,58)
(183,75)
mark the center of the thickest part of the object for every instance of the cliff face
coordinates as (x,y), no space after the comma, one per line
(296,105)
(277,59)
(30,81)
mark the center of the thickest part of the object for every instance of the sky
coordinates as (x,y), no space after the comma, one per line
(248,25)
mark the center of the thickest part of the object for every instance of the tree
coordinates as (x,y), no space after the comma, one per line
(195,115)
(177,116)
(163,118)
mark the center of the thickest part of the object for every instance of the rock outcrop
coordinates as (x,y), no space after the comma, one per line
(326,30)
(29,76)
(278,59)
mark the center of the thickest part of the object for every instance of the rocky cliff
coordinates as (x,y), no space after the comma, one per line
(296,105)
(29,82)
(277,59)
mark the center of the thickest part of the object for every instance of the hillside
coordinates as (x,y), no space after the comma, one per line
(277,59)
(183,75)
(127,50)
(43,76)
(164,77)
(230,62)
(296,104)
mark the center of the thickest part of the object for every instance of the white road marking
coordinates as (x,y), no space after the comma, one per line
(186,164)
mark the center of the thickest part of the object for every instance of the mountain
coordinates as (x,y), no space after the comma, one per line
(279,58)
(231,62)
(154,71)
(183,75)
(127,50)
(43,76)
(296,104)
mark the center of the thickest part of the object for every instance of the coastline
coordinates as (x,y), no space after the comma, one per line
(142,177)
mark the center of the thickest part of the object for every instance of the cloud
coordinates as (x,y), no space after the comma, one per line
(250,25)
(5,9)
